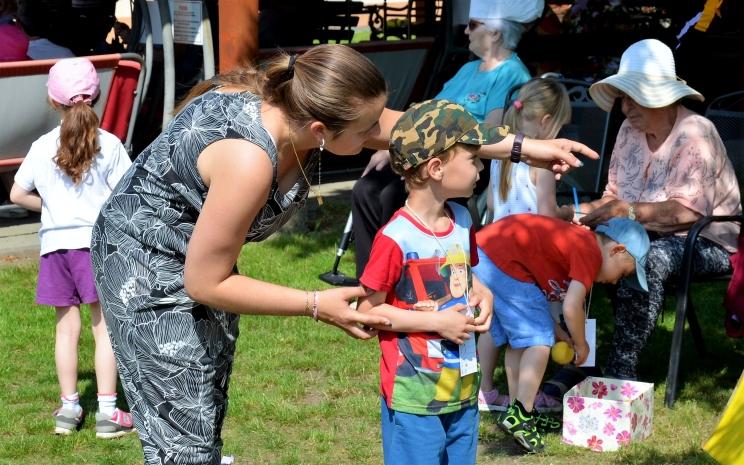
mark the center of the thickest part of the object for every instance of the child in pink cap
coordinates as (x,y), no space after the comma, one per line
(74,168)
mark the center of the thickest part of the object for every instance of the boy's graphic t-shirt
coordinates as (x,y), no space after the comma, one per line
(420,372)
(542,250)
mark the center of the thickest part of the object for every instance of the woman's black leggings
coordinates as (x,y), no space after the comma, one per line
(636,312)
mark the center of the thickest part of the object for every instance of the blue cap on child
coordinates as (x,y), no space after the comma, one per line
(635,239)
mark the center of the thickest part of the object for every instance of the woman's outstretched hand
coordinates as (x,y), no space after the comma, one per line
(556,155)
(334,309)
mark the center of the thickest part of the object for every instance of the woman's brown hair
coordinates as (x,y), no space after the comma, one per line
(78,139)
(328,83)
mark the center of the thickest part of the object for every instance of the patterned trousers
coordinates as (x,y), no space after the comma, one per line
(636,312)
(175,365)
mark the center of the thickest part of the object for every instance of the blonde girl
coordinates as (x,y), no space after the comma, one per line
(539,111)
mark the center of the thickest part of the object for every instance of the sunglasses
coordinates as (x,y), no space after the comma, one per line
(473,24)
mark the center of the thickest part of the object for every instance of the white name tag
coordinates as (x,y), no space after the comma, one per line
(468,356)
(590,333)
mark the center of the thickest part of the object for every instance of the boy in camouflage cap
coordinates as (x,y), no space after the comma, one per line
(419,277)
(430,128)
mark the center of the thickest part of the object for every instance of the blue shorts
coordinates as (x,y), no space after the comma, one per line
(521,315)
(409,439)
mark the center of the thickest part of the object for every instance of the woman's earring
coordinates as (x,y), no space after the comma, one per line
(320,157)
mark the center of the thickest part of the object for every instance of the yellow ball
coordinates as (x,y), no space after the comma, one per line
(562,353)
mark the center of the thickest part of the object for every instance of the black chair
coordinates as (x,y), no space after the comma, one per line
(727,113)
(589,125)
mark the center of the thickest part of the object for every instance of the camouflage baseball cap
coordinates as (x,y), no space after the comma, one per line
(429,128)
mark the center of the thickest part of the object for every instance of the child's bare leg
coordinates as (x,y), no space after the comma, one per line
(512,362)
(531,370)
(106,373)
(66,348)
(488,353)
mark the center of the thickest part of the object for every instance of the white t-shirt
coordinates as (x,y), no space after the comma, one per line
(68,211)
(522,196)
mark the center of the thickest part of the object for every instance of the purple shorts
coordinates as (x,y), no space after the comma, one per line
(66,278)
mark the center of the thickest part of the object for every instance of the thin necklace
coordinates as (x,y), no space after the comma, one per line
(441,246)
(309,186)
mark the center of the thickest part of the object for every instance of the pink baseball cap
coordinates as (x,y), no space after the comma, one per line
(13,43)
(73,80)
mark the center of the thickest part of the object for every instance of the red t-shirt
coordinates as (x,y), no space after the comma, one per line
(542,250)
(420,372)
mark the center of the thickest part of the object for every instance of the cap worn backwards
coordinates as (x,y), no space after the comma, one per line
(430,128)
(635,239)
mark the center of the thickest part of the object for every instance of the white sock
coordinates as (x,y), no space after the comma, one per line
(72,402)
(107,403)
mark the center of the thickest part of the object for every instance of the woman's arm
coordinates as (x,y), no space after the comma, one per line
(449,323)
(23,198)
(238,175)
(664,217)
(554,154)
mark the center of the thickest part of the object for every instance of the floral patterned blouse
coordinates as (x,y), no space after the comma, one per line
(690,167)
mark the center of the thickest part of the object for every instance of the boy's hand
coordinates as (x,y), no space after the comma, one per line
(481,298)
(453,325)
(582,352)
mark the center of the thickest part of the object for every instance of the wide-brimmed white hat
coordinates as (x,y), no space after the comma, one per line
(647,75)
(520,11)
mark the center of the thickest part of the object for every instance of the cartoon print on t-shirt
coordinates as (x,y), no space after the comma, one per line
(435,284)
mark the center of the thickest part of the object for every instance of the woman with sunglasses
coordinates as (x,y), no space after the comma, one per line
(481,85)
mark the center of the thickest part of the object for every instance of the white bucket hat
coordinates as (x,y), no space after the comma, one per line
(647,75)
(519,11)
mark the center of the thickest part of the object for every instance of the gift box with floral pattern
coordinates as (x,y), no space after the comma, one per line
(604,414)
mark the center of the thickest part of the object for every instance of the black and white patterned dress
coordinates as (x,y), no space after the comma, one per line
(174,355)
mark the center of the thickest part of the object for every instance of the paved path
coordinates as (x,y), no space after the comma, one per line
(19,238)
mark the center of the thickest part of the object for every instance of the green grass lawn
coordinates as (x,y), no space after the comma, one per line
(305,393)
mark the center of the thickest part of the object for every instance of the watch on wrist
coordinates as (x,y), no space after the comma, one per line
(631,212)
(516,151)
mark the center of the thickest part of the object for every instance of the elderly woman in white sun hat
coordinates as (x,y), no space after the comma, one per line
(668,169)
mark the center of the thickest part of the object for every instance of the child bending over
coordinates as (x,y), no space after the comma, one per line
(530,260)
